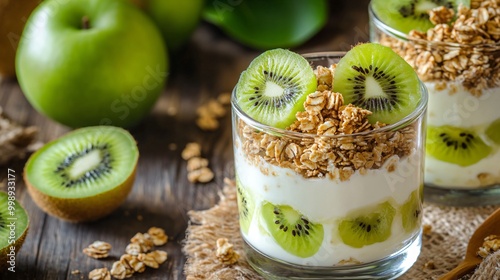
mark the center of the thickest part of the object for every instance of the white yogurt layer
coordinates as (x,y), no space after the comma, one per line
(456,106)
(326,201)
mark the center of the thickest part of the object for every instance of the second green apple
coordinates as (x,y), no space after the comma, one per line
(176,19)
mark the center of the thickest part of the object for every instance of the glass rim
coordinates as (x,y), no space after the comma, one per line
(401,35)
(406,121)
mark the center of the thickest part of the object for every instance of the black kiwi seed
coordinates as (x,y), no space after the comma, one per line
(2,221)
(103,167)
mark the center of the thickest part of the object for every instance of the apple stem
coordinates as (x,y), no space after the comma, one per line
(85,22)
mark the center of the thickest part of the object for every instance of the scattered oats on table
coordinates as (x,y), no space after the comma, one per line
(197,167)
(98,250)
(158,236)
(429,265)
(426,229)
(209,113)
(100,274)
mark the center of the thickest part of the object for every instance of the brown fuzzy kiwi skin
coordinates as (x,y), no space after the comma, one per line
(83,209)
(4,251)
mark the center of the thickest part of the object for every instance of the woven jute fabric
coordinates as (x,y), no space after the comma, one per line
(443,247)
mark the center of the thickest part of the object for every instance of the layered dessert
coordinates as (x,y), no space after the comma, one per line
(328,160)
(454,46)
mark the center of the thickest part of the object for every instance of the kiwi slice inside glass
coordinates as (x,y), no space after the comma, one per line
(374,77)
(455,145)
(294,232)
(274,87)
(367,226)
(85,174)
(246,206)
(493,131)
(14,220)
(407,15)
(411,211)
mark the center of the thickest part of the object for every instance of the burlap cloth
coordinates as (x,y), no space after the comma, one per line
(443,248)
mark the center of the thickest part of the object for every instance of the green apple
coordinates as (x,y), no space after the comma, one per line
(91,62)
(176,19)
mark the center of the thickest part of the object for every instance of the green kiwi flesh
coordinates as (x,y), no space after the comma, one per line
(274,87)
(407,15)
(84,174)
(411,211)
(246,206)
(455,145)
(367,226)
(374,77)
(292,230)
(493,132)
(14,223)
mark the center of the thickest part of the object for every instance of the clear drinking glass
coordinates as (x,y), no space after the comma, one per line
(463,81)
(370,181)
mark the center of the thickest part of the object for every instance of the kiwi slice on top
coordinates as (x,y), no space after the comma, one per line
(85,174)
(274,87)
(407,15)
(367,226)
(374,77)
(14,223)
(455,145)
(294,232)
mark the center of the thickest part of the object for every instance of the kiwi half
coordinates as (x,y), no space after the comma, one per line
(493,131)
(407,15)
(374,77)
(274,87)
(411,211)
(455,145)
(292,230)
(85,174)
(14,221)
(246,206)
(367,226)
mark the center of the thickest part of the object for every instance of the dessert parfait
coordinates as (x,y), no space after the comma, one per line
(454,46)
(328,162)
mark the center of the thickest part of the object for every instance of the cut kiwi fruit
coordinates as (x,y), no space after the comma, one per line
(85,174)
(493,131)
(367,226)
(455,145)
(14,223)
(246,206)
(274,87)
(294,232)
(374,77)
(407,15)
(411,211)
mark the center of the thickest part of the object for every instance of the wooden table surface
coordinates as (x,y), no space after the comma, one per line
(161,196)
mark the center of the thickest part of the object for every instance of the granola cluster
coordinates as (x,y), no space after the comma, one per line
(476,63)
(225,252)
(138,255)
(322,155)
(491,244)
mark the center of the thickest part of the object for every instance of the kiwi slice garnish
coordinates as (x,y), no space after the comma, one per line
(274,87)
(411,211)
(367,226)
(246,206)
(374,77)
(455,145)
(294,232)
(14,223)
(407,15)
(85,174)
(493,132)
